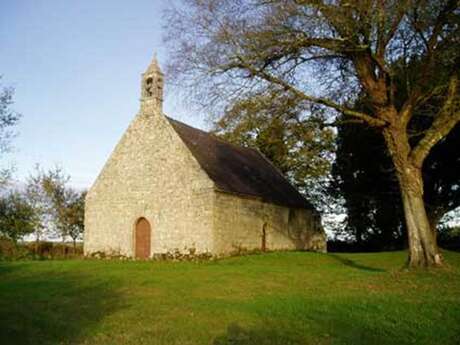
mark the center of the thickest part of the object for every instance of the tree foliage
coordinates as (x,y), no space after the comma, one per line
(59,207)
(278,127)
(8,119)
(16,216)
(40,202)
(365,178)
(75,216)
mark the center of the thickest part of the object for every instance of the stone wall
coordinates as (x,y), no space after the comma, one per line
(150,174)
(239,224)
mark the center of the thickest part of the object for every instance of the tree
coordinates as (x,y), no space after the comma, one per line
(59,208)
(374,209)
(54,183)
(40,202)
(364,176)
(8,119)
(74,215)
(327,53)
(67,204)
(16,216)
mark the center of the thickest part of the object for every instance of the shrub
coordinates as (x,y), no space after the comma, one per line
(38,250)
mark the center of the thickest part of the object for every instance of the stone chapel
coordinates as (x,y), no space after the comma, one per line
(169,188)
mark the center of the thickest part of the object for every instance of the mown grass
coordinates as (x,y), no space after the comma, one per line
(277,298)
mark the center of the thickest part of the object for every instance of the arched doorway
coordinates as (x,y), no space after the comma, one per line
(142,235)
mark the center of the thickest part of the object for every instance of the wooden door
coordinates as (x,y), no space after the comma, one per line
(142,239)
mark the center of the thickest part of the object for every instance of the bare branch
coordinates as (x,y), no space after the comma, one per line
(428,62)
(371,121)
(445,121)
(343,122)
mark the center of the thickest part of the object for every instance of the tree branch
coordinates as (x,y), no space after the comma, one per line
(445,121)
(343,122)
(416,95)
(371,121)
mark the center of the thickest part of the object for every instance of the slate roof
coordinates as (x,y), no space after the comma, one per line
(239,170)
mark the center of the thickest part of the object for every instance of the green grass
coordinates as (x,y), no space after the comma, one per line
(277,298)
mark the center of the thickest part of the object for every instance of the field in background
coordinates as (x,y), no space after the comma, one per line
(276,298)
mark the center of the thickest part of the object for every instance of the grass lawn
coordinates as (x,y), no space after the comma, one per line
(276,298)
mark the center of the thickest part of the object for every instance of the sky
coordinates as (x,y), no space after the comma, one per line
(75,67)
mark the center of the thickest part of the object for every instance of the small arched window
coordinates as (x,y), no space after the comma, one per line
(149,87)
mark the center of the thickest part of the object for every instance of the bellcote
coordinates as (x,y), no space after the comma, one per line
(152,89)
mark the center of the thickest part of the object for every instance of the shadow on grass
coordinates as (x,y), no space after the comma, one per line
(332,330)
(50,306)
(339,326)
(237,335)
(353,264)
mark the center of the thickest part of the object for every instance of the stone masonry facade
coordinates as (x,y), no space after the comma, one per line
(152,174)
(239,225)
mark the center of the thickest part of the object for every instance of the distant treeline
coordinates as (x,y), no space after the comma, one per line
(9,250)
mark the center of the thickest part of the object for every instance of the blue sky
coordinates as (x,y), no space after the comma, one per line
(75,66)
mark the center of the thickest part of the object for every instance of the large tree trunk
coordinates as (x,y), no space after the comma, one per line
(423,251)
